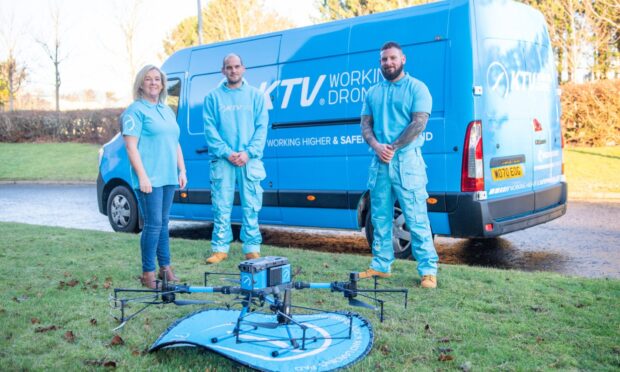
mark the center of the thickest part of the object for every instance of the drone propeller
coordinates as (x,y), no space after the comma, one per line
(356,302)
(192,302)
(262,324)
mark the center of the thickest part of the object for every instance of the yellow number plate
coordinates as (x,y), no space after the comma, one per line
(506,173)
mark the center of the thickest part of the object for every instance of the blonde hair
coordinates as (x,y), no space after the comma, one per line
(137,85)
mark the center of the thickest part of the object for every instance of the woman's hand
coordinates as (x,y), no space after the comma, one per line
(145,185)
(182,179)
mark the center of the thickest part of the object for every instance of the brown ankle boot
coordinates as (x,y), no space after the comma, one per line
(148,280)
(169,274)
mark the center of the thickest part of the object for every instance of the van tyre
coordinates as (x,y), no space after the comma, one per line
(401,237)
(123,211)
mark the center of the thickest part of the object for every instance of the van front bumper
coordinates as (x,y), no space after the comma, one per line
(471,218)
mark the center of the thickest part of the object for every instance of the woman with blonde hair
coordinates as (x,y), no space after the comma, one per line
(151,135)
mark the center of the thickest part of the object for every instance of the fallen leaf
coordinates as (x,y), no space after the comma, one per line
(445,349)
(95,286)
(69,336)
(465,367)
(21,298)
(101,363)
(66,274)
(579,306)
(538,309)
(108,283)
(445,340)
(539,339)
(428,329)
(34,320)
(385,350)
(326,265)
(117,340)
(93,321)
(46,329)
(445,357)
(72,283)
(138,352)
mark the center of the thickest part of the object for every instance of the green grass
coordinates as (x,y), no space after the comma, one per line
(588,170)
(487,319)
(592,170)
(48,162)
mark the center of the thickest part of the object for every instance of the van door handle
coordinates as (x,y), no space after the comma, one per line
(202,150)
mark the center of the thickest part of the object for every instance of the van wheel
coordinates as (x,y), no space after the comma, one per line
(401,237)
(123,210)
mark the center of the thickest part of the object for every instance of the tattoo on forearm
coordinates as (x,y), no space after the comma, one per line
(367,129)
(417,126)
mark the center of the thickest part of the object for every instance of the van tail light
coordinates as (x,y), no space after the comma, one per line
(472,173)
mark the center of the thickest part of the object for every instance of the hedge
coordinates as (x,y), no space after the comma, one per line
(590,117)
(591,113)
(86,126)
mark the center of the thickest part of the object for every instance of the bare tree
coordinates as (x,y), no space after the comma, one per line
(128,16)
(52,50)
(12,73)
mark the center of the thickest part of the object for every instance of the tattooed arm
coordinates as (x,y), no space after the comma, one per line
(415,127)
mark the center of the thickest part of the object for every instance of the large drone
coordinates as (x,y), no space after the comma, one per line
(274,340)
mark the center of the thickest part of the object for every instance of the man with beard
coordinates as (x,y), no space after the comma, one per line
(235,122)
(394,114)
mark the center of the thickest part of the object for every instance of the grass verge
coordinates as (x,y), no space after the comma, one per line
(48,162)
(57,281)
(593,169)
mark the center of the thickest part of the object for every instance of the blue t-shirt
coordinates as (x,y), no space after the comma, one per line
(391,106)
(157,130)
(235,120)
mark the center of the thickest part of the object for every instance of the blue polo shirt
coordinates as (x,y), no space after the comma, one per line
(235,120)
(157,130)
(391,106)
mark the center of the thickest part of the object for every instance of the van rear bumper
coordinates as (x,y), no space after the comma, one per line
(469,216)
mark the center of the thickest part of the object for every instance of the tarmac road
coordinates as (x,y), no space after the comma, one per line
(584,242)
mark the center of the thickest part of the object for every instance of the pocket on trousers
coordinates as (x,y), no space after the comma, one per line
(216,172)
(412,171)
(373,171)
(255,170)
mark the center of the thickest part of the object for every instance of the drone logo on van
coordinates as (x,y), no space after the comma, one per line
(498,79)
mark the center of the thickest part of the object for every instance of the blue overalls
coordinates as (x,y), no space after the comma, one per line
(236,120)
(391,105)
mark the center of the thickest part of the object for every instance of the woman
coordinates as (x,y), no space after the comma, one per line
(151,137)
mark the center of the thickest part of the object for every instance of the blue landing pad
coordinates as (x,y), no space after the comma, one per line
(327,347)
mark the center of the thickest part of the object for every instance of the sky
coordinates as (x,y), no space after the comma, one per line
(92,44)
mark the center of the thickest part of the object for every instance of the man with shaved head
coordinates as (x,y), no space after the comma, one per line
(235,123)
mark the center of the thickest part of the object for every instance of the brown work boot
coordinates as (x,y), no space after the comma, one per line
(217,257)
(252,255)
(370,273)
(169,274)
(148,280)
(429,281)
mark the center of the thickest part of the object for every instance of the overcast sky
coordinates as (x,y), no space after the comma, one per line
(92,42)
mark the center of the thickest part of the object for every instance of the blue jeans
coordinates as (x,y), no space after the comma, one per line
(404,179)
(155,211)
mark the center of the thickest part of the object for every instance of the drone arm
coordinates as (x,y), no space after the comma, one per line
(304,285)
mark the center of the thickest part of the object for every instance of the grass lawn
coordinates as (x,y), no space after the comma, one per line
(587,169)
(592,170)
(57,281)
(48,162)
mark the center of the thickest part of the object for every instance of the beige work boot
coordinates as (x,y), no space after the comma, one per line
(252,255)
(370,273)
(429,281)
(217,257)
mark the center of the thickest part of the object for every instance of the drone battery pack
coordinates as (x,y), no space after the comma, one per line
(264,272)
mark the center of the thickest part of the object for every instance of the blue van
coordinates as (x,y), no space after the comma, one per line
(493,142)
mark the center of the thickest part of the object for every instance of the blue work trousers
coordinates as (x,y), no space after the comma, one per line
(224,177)
(155,211)
(403,179)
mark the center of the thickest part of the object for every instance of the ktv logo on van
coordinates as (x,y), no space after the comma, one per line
(502,81)
(325,89)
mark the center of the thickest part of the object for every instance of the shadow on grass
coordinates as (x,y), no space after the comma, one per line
(594,154)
